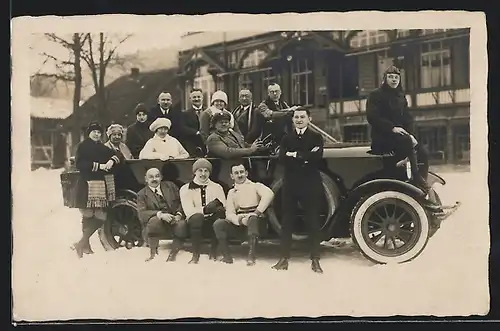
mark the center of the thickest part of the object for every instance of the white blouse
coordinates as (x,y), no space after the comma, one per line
(158,148)
(191,198)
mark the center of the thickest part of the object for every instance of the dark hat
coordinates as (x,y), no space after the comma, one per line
(392,70)
(223,115)
(94,126)
(140,108)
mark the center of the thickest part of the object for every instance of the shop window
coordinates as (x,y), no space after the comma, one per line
(434,140)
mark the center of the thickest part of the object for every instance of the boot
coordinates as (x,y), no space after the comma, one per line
(252,242)
(315,266)
(226,254)
(418,180)
(213,250)
(196,241)
(281,265)
(176,246)
(90,226)
(153,249)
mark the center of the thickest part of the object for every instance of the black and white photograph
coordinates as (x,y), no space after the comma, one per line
(238,166)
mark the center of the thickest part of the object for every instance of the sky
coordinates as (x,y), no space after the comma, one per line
(138,42)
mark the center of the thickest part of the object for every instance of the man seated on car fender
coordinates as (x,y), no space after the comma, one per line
(162,146)
(203,202)
(227,143)
(246,204)
(159,210)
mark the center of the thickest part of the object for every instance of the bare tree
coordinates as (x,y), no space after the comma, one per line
(100,53)
(69,69)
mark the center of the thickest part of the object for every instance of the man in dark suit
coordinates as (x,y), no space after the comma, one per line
(249,119)
(190,136)
(277,114)
(301,152)
(164,109)
(160,211)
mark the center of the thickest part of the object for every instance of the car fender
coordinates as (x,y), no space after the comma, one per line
(342,214)
(435,178)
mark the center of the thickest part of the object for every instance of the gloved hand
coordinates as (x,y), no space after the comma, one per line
(220,212)
(212,207)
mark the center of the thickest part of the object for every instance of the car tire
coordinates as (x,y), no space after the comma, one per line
(122,215)
(332,195)
(367,211)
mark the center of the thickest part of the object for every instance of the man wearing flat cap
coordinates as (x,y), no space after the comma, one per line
(203,202)
(162,146)
(226,143)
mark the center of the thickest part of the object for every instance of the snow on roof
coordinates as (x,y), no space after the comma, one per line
(50,108)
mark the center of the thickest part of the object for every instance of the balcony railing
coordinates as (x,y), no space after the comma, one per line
(423,99)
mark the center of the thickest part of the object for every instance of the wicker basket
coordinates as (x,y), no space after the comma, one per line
(69,183)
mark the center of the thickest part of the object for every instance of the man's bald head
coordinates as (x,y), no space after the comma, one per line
(153,177)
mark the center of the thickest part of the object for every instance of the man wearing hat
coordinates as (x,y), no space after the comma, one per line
(162,146)
(138,133)
(203,202)
(218,105)
(96,189)
(226,143)
(391,126)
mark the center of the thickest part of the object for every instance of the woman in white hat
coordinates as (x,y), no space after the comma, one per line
(162,146)
(218,104)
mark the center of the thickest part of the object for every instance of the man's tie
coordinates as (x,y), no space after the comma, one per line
(157,192)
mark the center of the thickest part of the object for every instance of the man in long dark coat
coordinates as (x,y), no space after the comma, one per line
(391,125)
(164,109)
(249,119)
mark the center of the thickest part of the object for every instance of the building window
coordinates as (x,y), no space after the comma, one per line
(369,37)
(268,78)
(302,82)
(435,65)
(254,59)
(402,33)
(434,140)
(462,143)
(432,31)
(245,82)
(356,134)
(205,81)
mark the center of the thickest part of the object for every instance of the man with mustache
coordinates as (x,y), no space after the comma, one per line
(388,114)
(190,134)
(246,204)
(249,119)
(160,211)
(203,202)
(301,153)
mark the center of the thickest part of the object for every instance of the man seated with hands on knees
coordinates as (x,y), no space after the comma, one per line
(159,210)
(246,204)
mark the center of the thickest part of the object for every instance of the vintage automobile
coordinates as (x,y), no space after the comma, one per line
(368,197)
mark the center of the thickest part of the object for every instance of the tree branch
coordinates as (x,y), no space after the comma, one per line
(112,51)
(53,37)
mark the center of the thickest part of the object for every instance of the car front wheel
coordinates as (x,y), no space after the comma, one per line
(389,227)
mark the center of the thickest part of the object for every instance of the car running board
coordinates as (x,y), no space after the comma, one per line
(447,211)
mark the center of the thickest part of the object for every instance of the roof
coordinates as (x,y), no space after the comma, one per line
(50,108)
(125,93)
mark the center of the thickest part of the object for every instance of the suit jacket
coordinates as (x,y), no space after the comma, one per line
(228,146)
(309,150)
(173,115)
(189,126)
(148,204)
(257,120)
(280,122)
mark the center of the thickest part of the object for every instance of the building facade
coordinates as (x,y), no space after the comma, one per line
(332,73)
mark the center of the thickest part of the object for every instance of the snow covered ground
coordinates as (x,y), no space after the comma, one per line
(49,282)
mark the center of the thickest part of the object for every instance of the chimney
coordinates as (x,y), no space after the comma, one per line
(134,72)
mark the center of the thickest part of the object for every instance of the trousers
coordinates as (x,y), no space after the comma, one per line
(224,229)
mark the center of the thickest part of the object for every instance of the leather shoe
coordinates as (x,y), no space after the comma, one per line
(315,266)
(281,265)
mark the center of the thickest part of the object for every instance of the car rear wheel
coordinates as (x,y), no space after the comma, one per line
(122,228)
(389,227)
